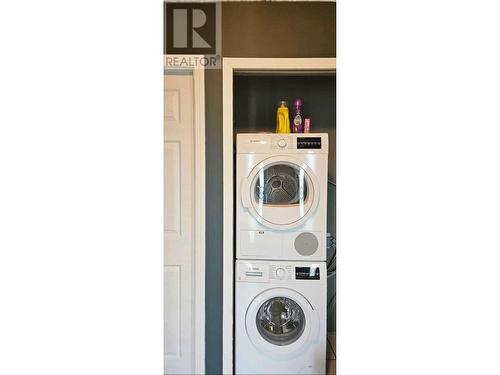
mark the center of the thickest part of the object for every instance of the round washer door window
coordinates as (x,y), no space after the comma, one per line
(280,321)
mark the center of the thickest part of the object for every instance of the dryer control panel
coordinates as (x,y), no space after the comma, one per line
(291,143)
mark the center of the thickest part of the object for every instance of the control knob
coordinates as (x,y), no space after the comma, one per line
(280,273)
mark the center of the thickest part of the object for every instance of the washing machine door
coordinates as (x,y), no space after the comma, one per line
(281,192)
(281,323)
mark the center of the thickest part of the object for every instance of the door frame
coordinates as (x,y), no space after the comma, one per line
(198,73)
(229,67)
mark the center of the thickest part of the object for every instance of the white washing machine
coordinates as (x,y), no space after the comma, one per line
(281,196)
(280,317)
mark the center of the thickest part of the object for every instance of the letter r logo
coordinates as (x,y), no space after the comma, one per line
(190,28)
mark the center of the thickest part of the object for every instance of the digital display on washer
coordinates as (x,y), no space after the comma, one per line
(306,273)
(308,142)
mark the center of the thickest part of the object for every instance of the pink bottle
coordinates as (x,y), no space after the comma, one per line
(307,125)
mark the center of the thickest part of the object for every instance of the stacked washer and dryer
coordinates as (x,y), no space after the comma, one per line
(280,273)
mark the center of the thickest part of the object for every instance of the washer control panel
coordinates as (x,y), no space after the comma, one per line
(276,271)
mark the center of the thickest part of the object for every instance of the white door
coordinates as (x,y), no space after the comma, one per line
(179,194)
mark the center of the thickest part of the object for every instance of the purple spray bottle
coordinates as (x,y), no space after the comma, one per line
(297,117)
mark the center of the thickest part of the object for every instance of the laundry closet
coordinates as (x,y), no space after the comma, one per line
(283,187)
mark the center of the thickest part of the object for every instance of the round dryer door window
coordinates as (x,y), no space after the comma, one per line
(281,192)
(281,185)
(280,321)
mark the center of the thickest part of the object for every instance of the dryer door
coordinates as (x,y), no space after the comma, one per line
(281,192)
(281,322)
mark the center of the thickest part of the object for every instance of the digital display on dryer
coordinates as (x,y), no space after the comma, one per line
(306,273)
(308,142)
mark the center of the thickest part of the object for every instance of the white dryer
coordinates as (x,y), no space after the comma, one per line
(280,317)
(281,196)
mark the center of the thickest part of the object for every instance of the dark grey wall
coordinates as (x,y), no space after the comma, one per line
(251,29)
(256,98)
(213,292)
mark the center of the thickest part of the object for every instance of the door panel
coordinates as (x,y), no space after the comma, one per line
(171,305)
(172,209)
(179,354)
